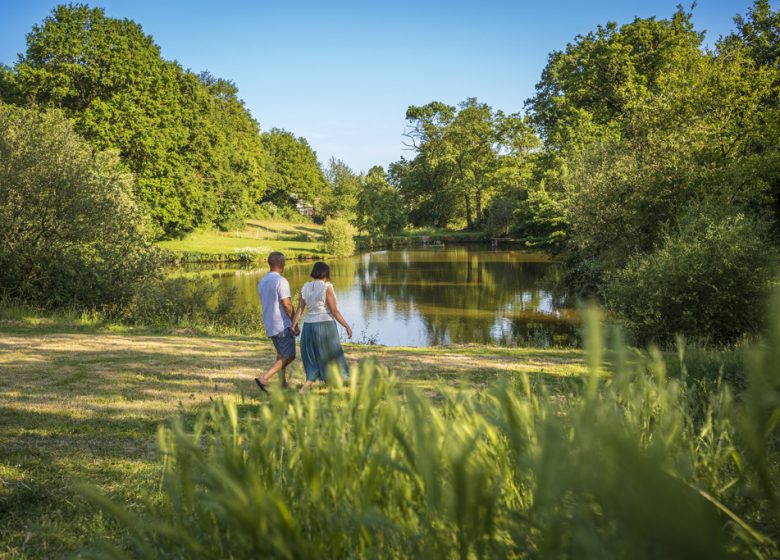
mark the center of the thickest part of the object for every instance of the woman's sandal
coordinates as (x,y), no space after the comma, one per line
(262,387)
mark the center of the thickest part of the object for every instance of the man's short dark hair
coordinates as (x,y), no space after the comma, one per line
(276,260)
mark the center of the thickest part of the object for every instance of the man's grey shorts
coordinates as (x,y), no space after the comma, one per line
(284,342)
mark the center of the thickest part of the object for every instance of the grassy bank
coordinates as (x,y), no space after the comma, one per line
(298,241)
(85,406)
(421,236)
(255,241)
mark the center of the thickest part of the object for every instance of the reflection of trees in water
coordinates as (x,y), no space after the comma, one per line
(297,274)
(460,294)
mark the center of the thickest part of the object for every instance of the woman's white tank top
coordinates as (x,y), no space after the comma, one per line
(313,293)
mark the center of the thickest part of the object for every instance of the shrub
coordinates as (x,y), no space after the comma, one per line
(707,281)
(71,232)
(190,302)
(338,238)
(500,217)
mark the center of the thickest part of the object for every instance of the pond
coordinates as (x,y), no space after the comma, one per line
(439,296)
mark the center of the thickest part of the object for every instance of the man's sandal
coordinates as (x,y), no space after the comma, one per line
(262,386)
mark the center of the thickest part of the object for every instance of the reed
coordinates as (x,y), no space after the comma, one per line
(629,464)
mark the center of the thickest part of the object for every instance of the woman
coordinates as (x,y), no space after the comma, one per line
(320,345)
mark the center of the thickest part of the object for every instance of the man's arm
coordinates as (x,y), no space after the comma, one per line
(298,313)
(288,307)
(285,298)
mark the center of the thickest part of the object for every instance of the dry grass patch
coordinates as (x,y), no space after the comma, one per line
(86,407)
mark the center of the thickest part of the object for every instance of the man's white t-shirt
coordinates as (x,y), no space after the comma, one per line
(273,288)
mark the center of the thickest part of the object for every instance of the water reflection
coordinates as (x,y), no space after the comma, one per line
(428,297)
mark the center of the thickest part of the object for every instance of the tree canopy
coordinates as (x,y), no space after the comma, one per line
(71,230)
(466,154)
(294,175)
(188,139)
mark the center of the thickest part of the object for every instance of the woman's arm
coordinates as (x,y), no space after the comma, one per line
(330,300)
(298,312)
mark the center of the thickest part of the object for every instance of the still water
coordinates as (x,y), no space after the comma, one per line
(429,297)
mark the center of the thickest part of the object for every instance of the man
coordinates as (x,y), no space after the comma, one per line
(276,301)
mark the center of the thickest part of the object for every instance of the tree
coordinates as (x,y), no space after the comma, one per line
(191,143)
(600,73)
(227,151)
(71,231)
(294,174)
(109,77)
(426,191)
(342,198)
(380,208)
(470,149)
(629,156)
(759,31)
(500,217)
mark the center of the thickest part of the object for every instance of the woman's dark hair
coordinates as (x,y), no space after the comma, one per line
(320,271)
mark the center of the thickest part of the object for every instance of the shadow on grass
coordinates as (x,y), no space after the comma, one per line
(76,407)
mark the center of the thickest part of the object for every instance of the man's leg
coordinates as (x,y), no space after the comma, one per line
(285,354)
(279,364)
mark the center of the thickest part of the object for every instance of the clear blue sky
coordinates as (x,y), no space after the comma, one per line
(343,73)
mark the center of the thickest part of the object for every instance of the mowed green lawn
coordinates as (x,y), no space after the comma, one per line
(85,407)
(259,236)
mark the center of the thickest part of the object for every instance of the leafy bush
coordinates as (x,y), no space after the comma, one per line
(541,220)
(190,302)
(71,232)
(615,467)
(708,280)
(338,238)
(500,217)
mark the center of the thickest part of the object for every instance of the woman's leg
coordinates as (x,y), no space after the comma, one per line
(309,353)
(334,353)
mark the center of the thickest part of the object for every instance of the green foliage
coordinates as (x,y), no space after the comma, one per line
(338,238)
(630,463)
(500,216)
(424,189)
(708,279)
(760,33)
(641,125)
(9,91)
(342,198)
(294,175)
(601,73)
(71,232)
(227,152)
(380,209)
(469,152)
(190,142)
(541,220)
(191,303)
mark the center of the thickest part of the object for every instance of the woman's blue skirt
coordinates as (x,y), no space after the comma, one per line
(321,350)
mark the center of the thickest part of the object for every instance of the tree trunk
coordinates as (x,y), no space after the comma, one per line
(469,220)
(478,206)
